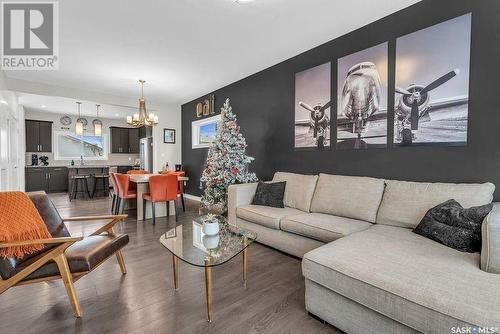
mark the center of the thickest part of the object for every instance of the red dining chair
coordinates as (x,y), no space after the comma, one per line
(180,186)
(162,188)
(114,193)
(137,171)
(124,191)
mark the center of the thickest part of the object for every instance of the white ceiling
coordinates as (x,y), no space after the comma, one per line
(185,49)
(67,106)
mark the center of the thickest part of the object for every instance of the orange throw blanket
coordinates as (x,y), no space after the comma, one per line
(20,221)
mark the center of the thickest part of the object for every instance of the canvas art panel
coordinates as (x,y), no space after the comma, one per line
(362,99)
(432,85)
(312,108)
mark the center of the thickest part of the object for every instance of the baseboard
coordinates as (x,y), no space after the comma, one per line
(193,197)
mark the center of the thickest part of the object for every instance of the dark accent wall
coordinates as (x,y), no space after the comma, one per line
(264,104)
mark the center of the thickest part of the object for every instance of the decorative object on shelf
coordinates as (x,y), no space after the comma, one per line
(169,136)
(80,121)
(226,163)
(45,160)
(362,99)
(97,123)
(199,109)
(65,120)
(142,118)
(203,131)
(432,85)
(312,108)
(178,167)
(210,224)
(206,107)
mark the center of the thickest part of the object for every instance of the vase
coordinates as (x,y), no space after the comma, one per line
(210,228)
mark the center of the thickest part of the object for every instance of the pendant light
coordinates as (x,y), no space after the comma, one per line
(97,123)
(142,117)
(79,123)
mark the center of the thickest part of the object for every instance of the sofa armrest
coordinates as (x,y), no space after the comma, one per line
(490,251)
(239,195)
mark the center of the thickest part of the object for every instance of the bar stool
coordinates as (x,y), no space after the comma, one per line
(162,188)
(124,191)
(113,193)
(75,180)
(105,186)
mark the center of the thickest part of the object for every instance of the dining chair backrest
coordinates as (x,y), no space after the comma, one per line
(112,179)
(180,185)
(137,171)
(163,188)
(123,183)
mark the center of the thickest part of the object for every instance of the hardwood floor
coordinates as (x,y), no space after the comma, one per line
(144,300)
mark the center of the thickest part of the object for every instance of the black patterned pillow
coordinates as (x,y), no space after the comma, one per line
(454,226)
(270,194)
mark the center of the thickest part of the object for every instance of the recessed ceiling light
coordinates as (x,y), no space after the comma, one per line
(3,102)
(242,1)
(117,115)
(43,106)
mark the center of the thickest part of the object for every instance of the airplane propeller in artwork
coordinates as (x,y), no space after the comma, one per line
(413,105)
(319,122)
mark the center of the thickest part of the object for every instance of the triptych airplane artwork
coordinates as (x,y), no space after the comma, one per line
(431,94)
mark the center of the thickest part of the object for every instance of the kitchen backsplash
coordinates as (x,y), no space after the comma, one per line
(113,159)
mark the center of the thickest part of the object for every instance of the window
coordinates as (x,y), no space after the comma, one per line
(69,146)
(204,131)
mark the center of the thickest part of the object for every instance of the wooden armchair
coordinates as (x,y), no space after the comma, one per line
(63,257)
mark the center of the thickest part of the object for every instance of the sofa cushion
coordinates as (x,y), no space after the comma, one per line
(264,215)
(405,203)
(322,227)
(408,278)
(299,189)
(348,196)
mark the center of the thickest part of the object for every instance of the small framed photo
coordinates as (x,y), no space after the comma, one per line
(169,136)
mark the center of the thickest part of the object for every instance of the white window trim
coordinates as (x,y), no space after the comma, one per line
(56,147)
(195,131)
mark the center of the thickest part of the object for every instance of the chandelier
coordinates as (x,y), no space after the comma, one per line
(142,117)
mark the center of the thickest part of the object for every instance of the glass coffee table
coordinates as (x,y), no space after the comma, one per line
(188,242)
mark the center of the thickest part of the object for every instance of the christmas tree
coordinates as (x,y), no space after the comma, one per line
(226,162)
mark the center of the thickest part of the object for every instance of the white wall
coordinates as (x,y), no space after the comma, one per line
(170,118)
(113,159)
(11,142)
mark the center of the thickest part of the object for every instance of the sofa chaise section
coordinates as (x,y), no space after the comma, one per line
(404,277)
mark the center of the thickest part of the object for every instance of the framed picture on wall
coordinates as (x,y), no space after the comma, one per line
(169,136)
(432,85)
(204,131)
(362,99)
(312,108)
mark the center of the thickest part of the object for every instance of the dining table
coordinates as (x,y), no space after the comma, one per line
(142,183)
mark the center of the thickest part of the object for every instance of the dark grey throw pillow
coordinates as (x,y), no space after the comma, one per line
(454,226)
(270,194)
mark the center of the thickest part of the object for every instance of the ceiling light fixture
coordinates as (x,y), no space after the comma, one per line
(43,106)
(79,123)
(97,123)
(143,117)
(242,1)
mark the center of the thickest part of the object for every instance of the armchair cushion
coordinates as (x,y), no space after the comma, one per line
(82,256)
(490,249)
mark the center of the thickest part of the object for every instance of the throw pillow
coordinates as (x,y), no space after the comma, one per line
(270,194)
(454,226)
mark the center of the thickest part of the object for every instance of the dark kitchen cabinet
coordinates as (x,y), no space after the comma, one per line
(37,179)
(48,179)
(38,136)
(124,140)
(133,140)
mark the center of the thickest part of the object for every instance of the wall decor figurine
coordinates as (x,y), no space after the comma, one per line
(312,108)
(432,85)
(199,109)
(169,136)
(362,99)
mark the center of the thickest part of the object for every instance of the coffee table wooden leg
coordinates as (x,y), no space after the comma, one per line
(175,262)
(245,267)
(208,287)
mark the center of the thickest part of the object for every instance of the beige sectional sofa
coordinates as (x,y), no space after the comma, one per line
(365,270)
